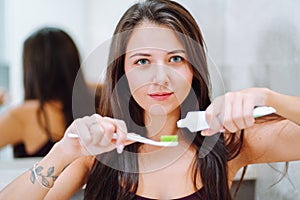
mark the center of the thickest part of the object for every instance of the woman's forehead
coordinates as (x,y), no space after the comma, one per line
(152,36)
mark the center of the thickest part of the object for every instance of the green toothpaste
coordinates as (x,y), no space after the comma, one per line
(169,138)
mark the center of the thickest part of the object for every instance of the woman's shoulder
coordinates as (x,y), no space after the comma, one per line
(255,139)
(31,106)
(28,105)
(265,142)
(22,112)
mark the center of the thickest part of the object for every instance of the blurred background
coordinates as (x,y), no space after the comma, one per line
(250,44)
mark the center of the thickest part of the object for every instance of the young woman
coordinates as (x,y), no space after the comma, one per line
(51,66)
(156,74)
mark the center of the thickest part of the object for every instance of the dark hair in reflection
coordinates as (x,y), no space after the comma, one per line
(51,64)
(108,183)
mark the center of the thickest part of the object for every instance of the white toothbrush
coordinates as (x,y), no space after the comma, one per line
(196,121)
(138,138)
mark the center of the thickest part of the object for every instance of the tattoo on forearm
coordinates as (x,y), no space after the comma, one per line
(46,180)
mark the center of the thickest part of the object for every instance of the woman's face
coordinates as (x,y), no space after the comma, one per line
(157,69)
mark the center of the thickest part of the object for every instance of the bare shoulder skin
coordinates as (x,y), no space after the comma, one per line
(271,141)
(20,124)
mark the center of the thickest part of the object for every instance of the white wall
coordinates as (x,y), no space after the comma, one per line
(102,19)
(263,45)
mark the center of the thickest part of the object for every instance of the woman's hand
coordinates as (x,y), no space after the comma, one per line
(95,136)
(233,111)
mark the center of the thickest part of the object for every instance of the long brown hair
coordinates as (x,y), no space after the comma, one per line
(210,163)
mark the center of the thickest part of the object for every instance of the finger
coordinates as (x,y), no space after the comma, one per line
(121,129)
(217,126)
(82,130)
(85,138)
(121,132)
(228,122)
(96,132)
(210,132)
(94,125)
(248,113)
(212,116)
(108,131)
(237,113)
(101,135)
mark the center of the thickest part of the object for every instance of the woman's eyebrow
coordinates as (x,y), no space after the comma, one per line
(148,55)
(177,51)
(140,54)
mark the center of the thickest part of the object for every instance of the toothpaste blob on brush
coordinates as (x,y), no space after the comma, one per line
(169,138)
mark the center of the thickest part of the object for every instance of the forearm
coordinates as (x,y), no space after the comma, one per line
(285,105)
(30,183)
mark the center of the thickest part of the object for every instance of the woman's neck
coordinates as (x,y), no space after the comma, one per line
(158,125)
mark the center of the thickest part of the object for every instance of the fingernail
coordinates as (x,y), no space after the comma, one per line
(203,133)
(120,148)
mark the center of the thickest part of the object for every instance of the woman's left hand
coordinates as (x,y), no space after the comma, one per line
(233,111)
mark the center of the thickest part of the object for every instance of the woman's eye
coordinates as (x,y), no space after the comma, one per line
(176,59)
(142,62)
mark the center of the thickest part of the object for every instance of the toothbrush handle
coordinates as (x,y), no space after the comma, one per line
(73,135)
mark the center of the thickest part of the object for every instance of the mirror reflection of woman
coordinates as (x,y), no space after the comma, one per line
(50,65)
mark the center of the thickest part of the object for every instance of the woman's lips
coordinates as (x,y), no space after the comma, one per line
(161,96)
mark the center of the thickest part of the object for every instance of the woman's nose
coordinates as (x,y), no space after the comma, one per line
(161,74)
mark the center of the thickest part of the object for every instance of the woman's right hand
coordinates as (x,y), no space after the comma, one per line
(95,136)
